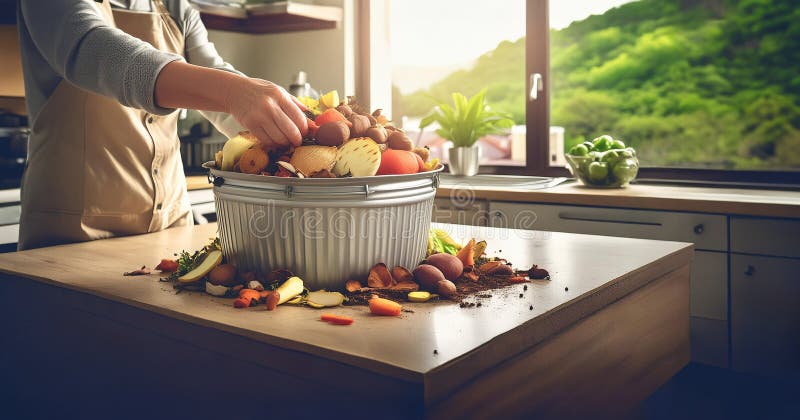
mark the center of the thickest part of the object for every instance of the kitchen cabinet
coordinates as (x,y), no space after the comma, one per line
(765,295)
(709,233)
(765,314)
(461,212)
(262,18)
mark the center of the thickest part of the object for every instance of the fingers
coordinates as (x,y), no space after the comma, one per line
(295,114)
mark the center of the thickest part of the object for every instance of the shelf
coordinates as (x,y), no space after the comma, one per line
(286,16)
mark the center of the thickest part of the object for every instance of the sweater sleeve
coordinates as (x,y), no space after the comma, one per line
(79,45)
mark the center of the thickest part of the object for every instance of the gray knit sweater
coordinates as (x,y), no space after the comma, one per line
(68,39)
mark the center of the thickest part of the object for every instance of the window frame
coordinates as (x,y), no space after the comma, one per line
(537,121)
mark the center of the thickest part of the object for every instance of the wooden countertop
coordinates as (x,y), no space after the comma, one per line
(737,201)
(588,273)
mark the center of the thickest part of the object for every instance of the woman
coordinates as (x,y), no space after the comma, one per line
(102,85)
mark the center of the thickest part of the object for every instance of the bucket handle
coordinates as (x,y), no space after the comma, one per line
(288,191)
(217,181)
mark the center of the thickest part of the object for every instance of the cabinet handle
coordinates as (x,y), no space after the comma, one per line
(750,270)
(699,228)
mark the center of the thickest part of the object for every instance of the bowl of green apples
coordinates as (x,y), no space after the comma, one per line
(603,163)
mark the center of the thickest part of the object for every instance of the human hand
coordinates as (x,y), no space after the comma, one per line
(267,111)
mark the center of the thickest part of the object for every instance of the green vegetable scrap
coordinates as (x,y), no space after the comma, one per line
(440,241)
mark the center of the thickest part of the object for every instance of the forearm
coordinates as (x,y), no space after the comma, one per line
(182,85)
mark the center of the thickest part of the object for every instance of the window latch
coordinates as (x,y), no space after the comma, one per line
(536,86)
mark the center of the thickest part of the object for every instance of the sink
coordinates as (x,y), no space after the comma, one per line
(501,181)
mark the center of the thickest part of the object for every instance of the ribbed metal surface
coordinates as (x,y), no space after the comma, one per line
(329,240)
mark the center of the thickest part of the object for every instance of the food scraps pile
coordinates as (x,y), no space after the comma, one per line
(343,140)
(450,271)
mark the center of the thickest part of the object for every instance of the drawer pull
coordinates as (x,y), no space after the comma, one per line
(750,270)
(568,216)
(699,228)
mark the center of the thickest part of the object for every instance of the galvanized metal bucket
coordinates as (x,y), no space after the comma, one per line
(326,230)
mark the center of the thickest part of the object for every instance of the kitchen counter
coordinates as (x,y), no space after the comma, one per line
(740,201)
(609,328)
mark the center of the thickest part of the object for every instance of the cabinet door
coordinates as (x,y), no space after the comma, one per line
(765,236)
(706,231)
(765,314)
(709,290)
(461,211)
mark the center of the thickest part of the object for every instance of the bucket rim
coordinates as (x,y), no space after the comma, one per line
(215,173)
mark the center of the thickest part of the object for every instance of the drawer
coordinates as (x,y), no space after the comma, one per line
(461,212)
(754,235)
(706,231)
(709,285)
(765,314)
(709,341)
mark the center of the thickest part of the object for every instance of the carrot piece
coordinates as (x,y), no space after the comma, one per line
(336,319)
(241,302)
(386,307)
(518,279)
(352,285)
(467,254)
(246,298)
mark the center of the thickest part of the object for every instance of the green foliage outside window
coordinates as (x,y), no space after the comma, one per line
(703,83)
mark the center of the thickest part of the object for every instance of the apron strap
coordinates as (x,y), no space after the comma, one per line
(159,7)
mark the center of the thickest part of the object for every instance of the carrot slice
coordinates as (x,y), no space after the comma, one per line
(336,319)
(385,307)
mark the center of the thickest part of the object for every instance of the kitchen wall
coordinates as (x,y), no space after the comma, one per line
(326,55)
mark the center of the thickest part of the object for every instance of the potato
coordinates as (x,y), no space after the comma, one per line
(223,275)
(358,157)
(360,124)
(399,140)
(253,161)
(377,133)
(446,288)
(333,133)
(428,276)
(448,264)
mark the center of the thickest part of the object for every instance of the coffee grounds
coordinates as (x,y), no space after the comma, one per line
(466,288)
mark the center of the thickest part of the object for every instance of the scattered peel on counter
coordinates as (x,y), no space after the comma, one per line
(467,254)
(384,307)
(138,272)
(324,299)
(336,319)
(419,296)
(289,289)
(213,259)
(167,265)
(216,290)
(297,300)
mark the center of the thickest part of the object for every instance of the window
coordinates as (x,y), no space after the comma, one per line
(704,90)
(441,47)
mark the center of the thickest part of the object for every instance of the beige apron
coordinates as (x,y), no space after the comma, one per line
(98,169)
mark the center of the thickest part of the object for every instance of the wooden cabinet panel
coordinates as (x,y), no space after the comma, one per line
(757,235)
(706,231)
(765,314)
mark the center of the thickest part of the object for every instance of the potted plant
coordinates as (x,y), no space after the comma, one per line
(463,124)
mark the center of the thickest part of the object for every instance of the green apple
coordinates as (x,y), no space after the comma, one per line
(579,150)
(625,170)
(602,143)
(617,144)
(598,172)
